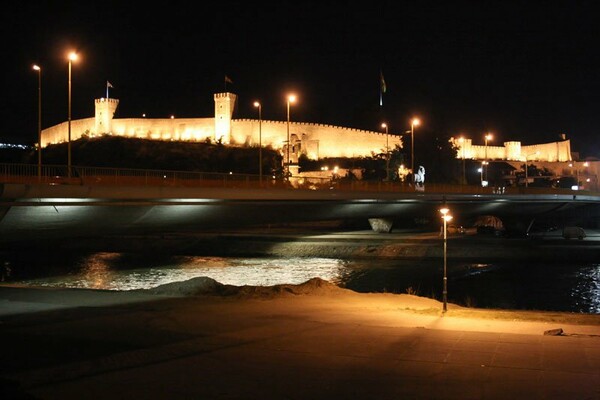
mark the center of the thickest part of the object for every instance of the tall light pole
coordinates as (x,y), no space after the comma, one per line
(526,168)
(72,57)
(483,164)
(487,137)
(387,152)
(290,99)
(445,217)
(413,123)
(461,140)
(39,70)
(259,106)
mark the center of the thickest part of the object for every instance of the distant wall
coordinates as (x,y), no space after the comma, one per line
(514,151)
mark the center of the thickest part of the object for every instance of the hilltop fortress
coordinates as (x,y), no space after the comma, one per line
(315,141)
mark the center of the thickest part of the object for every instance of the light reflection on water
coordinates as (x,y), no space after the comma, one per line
(587,290)
(503,285)
(97,271)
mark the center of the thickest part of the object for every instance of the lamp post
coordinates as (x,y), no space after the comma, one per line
(39,71)
(259,106)
(483,163)
(387,152)
(461,140)
(487,137)
(413,123)
(290,99)
(72,57)
(526,168)
(445,217)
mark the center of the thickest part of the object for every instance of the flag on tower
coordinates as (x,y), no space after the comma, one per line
(382,88)
(228,80)
(108,85)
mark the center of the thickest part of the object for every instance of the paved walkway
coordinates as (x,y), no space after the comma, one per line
(75,344)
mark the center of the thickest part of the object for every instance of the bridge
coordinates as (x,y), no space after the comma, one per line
(50,204)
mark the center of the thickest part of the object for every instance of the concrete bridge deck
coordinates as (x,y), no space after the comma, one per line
(41,211)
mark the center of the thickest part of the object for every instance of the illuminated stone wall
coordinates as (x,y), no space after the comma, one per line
(180,129)
(514,151)
(60,133)
(314,140)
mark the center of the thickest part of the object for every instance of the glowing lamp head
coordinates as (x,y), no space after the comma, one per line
(489,136)
(416,122)
(36,68)
(291,98)
(72,56)
(256,104)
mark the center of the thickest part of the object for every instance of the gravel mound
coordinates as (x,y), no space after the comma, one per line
(205,286)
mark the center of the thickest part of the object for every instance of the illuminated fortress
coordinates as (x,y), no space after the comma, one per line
(312,140)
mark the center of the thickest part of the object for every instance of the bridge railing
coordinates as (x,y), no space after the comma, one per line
(58,175)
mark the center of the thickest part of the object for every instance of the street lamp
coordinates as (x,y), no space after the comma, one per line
(72,57)
(290,99)
(445,217)
(480,170)
(259,106)
(487,137)
(39,70)
(526,168)
(461,140)
(413,123)
(387,151)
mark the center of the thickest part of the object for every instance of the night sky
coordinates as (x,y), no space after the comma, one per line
(527,74)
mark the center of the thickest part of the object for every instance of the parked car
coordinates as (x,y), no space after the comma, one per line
(573,232)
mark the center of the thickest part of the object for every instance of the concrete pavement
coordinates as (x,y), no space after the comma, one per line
(333,343)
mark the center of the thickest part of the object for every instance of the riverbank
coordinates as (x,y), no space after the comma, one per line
(202,339)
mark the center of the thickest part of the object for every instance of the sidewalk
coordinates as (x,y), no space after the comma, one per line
(287,343)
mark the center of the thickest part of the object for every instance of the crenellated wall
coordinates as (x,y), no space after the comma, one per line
(60,133)
(514,151)
(184,129)
(314,140)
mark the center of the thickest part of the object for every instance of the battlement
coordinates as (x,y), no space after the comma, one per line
(103,100)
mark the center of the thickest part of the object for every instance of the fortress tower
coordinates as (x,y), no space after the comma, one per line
(224,107)
(105,111)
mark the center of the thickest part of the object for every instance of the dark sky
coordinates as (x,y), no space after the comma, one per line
(470,67)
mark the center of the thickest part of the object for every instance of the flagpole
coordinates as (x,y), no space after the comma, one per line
(107,89)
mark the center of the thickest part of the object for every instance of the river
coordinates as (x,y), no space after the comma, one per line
(510,284)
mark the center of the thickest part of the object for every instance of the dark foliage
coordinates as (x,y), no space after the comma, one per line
(119,152)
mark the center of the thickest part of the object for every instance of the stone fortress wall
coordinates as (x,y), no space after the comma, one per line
(316,141)
(514,151)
